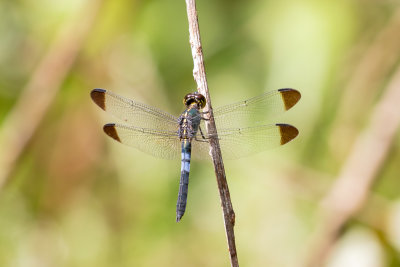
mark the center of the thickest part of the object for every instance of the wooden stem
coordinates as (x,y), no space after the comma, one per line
(199,75)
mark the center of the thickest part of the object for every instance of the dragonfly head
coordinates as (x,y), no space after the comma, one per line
(197,98)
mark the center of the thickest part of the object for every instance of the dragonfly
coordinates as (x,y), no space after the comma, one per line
(242,128)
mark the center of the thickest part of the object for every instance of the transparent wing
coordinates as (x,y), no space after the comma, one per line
(158,143)
(134,113)
(256,110)
(155,132)
(234,143)
(242,142)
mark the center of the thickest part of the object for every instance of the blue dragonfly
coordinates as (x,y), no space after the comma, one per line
(241,128)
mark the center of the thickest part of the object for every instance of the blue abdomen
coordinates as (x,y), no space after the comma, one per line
(184,181)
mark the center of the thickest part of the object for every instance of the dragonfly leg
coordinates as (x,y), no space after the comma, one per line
(206,118)
(202,136)
(205,141)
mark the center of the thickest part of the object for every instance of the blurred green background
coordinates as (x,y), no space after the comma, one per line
(74,197)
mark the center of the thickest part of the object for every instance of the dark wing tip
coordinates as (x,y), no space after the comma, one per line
(110,130)
(290,97)
(288,132)
(99,97)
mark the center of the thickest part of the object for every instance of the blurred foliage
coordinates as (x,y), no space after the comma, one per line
(76,198)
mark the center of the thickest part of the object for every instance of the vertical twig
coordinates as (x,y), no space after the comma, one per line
(37,96)
(199,75)
(351,189)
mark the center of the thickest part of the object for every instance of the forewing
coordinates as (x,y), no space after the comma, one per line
(256,110)
(134,113)
(160,144)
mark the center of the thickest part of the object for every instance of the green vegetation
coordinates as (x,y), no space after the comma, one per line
(74,197)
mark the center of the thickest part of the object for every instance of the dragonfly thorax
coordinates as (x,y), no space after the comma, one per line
(194,98)
(189,122)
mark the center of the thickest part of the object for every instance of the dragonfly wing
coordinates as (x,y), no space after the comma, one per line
(134,113)
(160,144)
(256,110)
(200,149)
(242,142)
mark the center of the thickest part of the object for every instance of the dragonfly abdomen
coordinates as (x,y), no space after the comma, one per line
(184,181)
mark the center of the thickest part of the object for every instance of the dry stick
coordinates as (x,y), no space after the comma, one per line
(37,96)
(199,75)
(351,189)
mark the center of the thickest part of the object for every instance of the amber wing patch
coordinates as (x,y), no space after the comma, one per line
(289,97)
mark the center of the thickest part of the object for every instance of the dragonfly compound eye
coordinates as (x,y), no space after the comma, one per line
(199,99)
